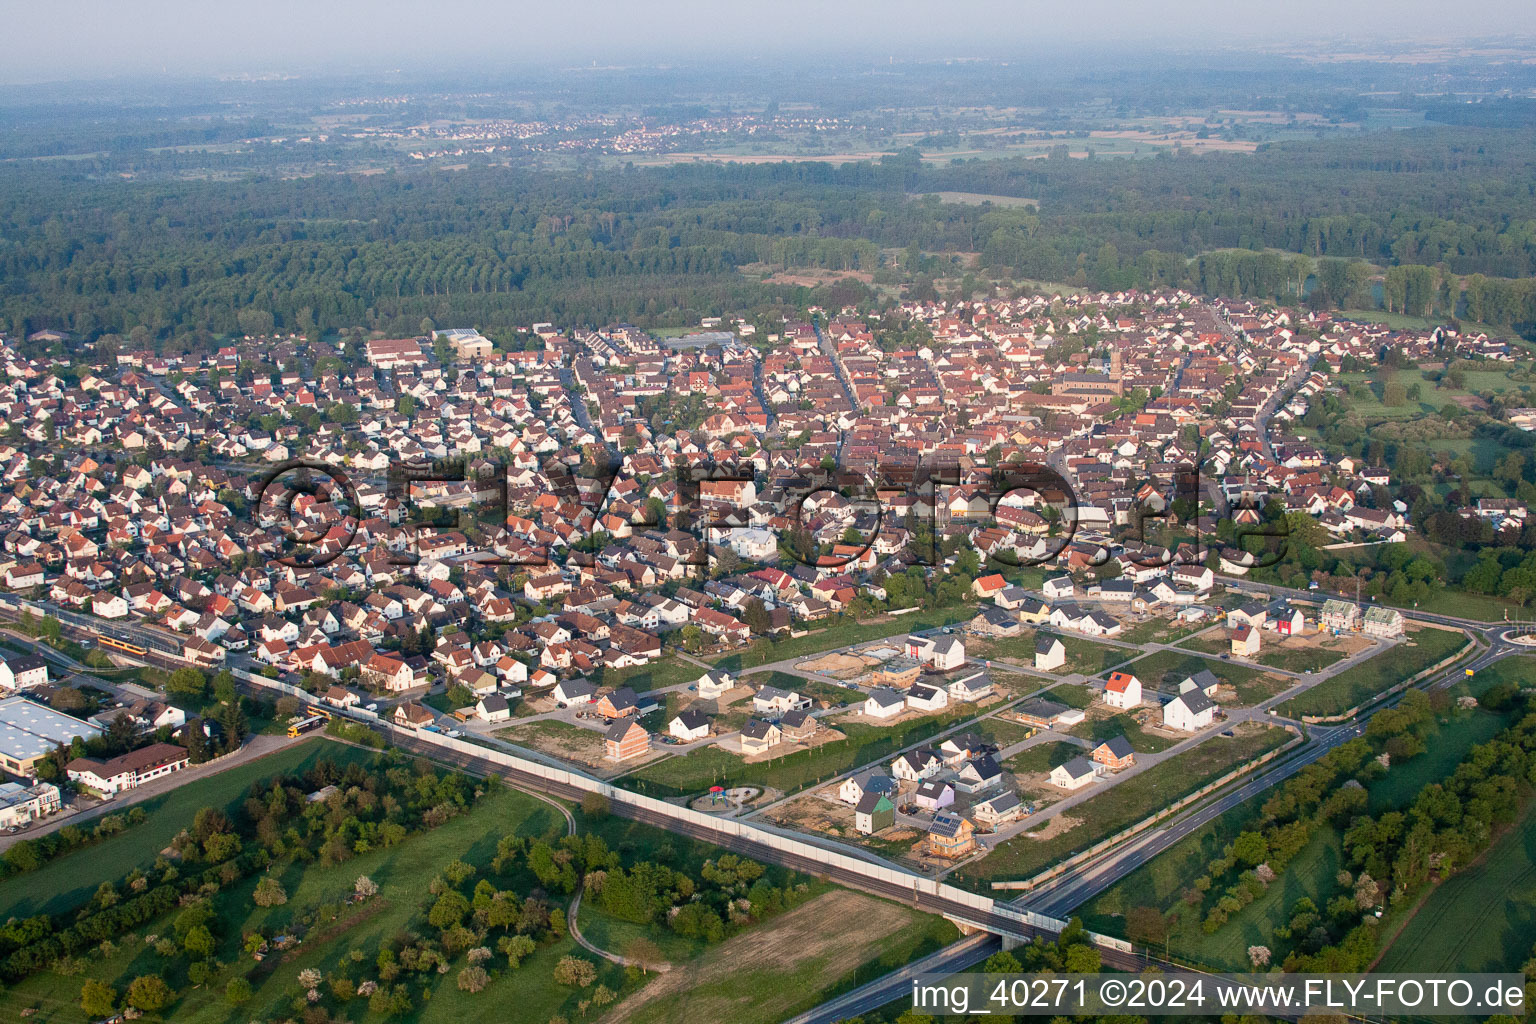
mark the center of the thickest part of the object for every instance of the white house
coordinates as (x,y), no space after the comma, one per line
(999,809)
(754,545)
(18,671)
(1050,653)
(1075,774)
(1123,691)
(1058,587)
(855,787)
(927,698)
(1190,711)
(1195,577)
(689,725)
(916,765)
(971,688)
(574,691)
(712,685)
(884,702)
(493,708)
(940,652)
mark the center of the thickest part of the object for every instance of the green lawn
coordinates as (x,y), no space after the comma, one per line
(1480,919)
(665,671)
(1097,730)
(697,771)
(1042,757)
(1091,658)
(70,878)
(1073,695)
(1120,806)
(1359,683)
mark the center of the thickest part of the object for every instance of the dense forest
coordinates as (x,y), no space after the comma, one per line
(1446,210)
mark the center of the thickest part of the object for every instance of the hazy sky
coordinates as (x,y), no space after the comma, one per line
(67,39)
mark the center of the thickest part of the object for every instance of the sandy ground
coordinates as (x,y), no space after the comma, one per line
(810,947)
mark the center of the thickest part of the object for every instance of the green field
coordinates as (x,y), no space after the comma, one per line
(1359,683)
(1478,920)
(66,880)
(1275,652)
(1120,806)
(697,771)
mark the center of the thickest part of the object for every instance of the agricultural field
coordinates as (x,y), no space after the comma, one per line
(1359,683)
(1478,920)
(1119,806)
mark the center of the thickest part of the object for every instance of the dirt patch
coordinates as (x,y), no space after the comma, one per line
(814,944)
(1053,828)
(839,666)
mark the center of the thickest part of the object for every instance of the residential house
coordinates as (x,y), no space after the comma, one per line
(1383,623)
(1122,691)
(871,780)
(951,836)
(934,794)
(1190,711)
(1075,774)
(689,724)
(1050,653)
(1114,753)
(873,812)
(493,708)
(625,739)
(884,702)
(1245,641)
(758,736)
(998,809)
